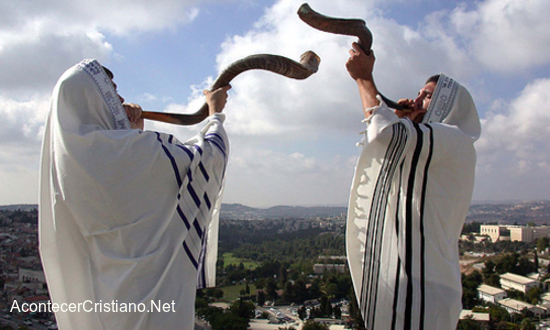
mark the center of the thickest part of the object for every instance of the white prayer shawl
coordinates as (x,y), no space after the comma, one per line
(409,198)
(128,218)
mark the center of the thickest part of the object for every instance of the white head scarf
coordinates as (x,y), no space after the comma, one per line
(126,216)
(452,104)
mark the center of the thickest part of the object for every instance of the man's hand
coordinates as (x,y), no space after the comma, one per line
(360,65)
(134,111)
(216,99)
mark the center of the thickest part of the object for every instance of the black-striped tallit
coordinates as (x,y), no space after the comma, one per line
(409,198)
(128,218)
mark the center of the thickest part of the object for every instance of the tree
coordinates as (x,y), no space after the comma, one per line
(302,313)
(218,293)
(543,243)
(527,324)
(469,289)
(468,324)
(229,321)
(533,295)
(244,309)
(312,325)
(260,297)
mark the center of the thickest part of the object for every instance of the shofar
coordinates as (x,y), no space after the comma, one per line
(344,26)
(309,63)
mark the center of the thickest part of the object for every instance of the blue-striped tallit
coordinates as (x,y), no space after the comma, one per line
(128,218)
(409,198)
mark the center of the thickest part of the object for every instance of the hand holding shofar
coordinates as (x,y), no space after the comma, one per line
(309,63)
(344,26)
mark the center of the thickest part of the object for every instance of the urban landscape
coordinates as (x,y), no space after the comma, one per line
(284,268)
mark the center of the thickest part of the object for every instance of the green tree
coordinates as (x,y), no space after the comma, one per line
(468,324)
(209,314)
(469,289)
(312,325)
(542,244)
(260,297)
(533,295)
(527,324)
(229,321)
(244,309)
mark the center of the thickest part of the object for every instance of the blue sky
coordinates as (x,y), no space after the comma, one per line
(293,142)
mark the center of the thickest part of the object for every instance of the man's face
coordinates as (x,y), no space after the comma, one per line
(116,90)
(424,97)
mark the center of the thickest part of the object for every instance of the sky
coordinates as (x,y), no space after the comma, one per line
(293,142)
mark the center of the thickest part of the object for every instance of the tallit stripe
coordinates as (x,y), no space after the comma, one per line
(207,201)
(197,228)
(395,310)
(193,195)
(172,160)
(409,228)
(217,140)
(190,255)
(183,217)
(187,151)
(396,294)
(374,234)
(423,238)
(201,274)
(203,171)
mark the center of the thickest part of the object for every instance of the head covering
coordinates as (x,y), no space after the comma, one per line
(452,104)
(409,198)
(127,217)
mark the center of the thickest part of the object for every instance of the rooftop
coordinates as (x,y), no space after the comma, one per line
(517,278)
(490,289)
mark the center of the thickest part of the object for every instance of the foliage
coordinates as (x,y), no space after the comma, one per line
(229,321)
(312,325)
(469,289)
(244,309)
(468,324)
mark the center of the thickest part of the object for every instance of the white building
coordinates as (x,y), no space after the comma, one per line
(490,293)
(520,283)
(514,233)
(31,275)
(516,306)
(482,319)
(321,268)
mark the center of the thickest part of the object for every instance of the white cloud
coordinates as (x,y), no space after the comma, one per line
(506,35)
(261,176)
(513,152)
(293,140)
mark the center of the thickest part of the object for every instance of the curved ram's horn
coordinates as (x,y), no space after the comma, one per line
(309,63)
(349,27)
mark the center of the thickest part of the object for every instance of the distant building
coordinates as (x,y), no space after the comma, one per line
(516,306)
(545,297)
(482,319)
(321,268)
(31,275)
(514,233)
(520,283)
(495,232)
(490,293)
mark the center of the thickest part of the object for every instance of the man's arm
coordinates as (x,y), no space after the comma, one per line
(360,66)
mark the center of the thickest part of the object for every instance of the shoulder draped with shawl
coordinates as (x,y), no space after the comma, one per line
(126,216)
(409,198)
